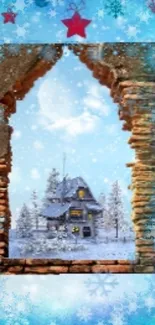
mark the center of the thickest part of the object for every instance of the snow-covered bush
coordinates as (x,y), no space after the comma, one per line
(42,245)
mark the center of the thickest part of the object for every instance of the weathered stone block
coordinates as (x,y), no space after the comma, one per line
(126,262)
(79,269)
(144,269)
(46,269)
(4,139)
(82,262)
(14,269)
(112,269)
(144,249)
(106,262)
(13,262)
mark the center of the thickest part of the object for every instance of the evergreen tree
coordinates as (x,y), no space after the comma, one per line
(52,183)
(35,210)
(100,218)
(24,223)
(116,218)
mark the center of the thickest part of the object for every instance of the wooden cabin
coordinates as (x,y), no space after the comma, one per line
(74,207)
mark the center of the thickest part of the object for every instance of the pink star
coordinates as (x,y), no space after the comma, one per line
(9,17)
(76,25)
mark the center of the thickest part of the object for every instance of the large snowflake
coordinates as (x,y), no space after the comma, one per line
(15,308)
(114,8)
(132,50)
(48,53)
(14,49)
(101,284)
(149,57)
(84,314)
(96,53)
(3,281)
(151,283)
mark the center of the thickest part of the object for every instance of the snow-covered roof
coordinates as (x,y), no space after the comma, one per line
(55,210)
(69,187)
(94,207)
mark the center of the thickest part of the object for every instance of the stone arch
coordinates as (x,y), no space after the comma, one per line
(132,88)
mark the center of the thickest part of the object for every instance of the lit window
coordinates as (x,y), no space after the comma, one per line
(89,216)
(75,230)
(81,194)
(75,213)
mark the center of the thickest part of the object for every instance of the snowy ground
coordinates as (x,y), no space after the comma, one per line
(102,250)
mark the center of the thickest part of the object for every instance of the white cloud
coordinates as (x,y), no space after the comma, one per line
(95,101)
(35,173)
(57,111)
(38,145)
(74,126)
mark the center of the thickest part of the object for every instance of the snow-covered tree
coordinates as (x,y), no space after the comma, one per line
(116,217)
(24,223)
(100,218)
(35,211)
(52,183)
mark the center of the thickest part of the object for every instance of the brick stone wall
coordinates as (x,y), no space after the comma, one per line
(47,266)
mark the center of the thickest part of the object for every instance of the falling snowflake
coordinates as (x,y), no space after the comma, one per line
(100,13)
(131,50)
(132,31)
(48,53)
(57,2)
(84,314)
(144,16)
(14,49)
(114,8)
(21,30)
(95,53)
(99,284)
(20,5)
(66,51)
(150,58)
(52,13)
(117,316)
(150,303)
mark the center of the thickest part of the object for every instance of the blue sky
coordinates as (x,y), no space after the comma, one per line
(135,25)
(68,111)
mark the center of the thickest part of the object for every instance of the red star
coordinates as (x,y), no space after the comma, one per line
(9,17)
(76,25)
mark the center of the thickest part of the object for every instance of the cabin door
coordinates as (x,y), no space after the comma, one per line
(86,232)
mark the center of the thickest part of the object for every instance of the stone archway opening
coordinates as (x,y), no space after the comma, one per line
(132,87)
(102,174)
